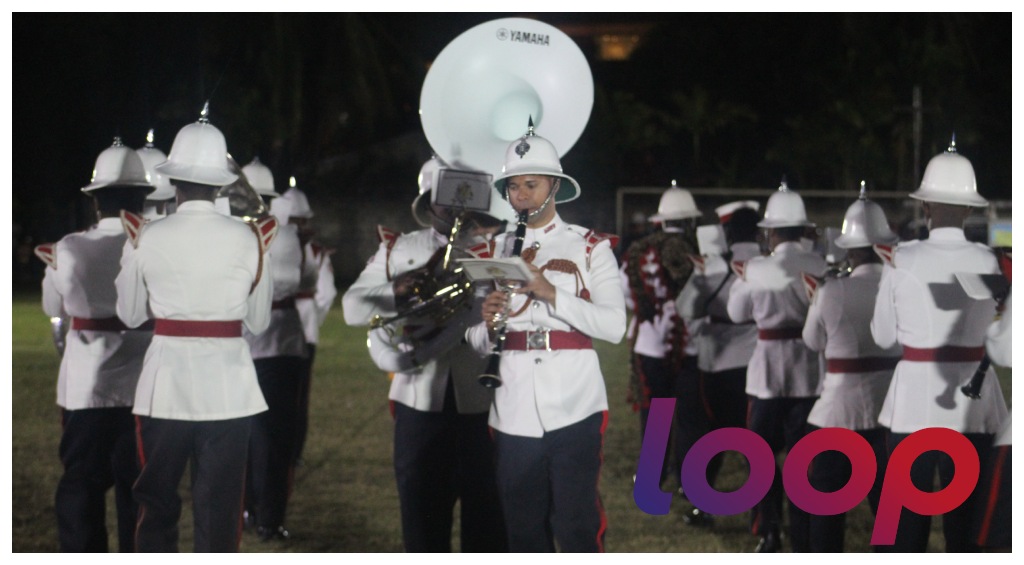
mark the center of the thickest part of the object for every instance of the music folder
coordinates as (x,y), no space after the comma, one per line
(982,286)
(508,268)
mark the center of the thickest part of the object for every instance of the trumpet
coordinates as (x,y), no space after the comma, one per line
(491,377)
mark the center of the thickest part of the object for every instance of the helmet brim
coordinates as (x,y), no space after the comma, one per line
(211,176)
(103,184)
(419,209)
(771,224)
(974,200)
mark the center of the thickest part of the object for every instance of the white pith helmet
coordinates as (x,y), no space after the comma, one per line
(151,157)
(725,211)
(949,179)
(298,200)
(426,180)
(785,209)
(676,204)
(534,155)
(711,239)
(865,224)
(260,177)
(118,165)
(199,154)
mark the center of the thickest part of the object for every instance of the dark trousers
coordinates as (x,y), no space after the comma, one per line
(781,422)
(549,488)
(272,443)
(217,450)
(829,472)
(957,524)
(993,524)
(725,403)
(97,450)
(660,379)
(305,386)
(441,457)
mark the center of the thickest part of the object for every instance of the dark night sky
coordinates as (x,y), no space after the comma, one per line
(80,79)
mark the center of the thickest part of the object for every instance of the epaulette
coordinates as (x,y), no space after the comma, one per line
(698,262)
(132,224)
(885,252)
(593,238)
(482,250)
(811,285)
(388,237)
(47,253)
(739,268)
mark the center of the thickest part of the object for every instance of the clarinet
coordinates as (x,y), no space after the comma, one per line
(490,377)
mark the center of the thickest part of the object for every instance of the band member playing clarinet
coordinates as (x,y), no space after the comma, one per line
(551,410)
(921,306)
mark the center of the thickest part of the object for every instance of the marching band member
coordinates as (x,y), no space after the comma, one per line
(550,414)
(101,362)
(724,348)
(783,378)
(279,354)
(654,270)
(315,296)
(858,372)
(921,306)
(160,202)
(443,451)
(199,274)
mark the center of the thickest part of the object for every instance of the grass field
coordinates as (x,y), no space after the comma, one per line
(344,497)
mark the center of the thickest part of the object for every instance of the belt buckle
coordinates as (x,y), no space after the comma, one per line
(539,339)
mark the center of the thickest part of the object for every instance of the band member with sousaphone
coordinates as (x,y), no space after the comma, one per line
(551,411)
(442,448)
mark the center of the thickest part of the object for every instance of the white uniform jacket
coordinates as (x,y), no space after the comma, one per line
(772,294)
(721,343)
(921,305)
(315,297)
(839,324)
(196,265)
(285,335)
(100,368)
(548,390)
(418,383)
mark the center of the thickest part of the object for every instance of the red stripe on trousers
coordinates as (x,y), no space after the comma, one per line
(993,495)
(600,508)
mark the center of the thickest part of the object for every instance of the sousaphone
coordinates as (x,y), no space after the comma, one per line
(485,86)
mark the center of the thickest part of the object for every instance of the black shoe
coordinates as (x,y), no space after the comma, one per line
(698,518)
(267,534)
(770,543)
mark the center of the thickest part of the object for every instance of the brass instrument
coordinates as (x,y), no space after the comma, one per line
(491,377)
(444,292)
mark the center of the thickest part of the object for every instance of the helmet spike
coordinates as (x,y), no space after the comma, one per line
(863,190)
(530,127)
(952,144)
(117,142)
(204,114)
(149,138)
(673,182)
(291,182)
(783,185)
